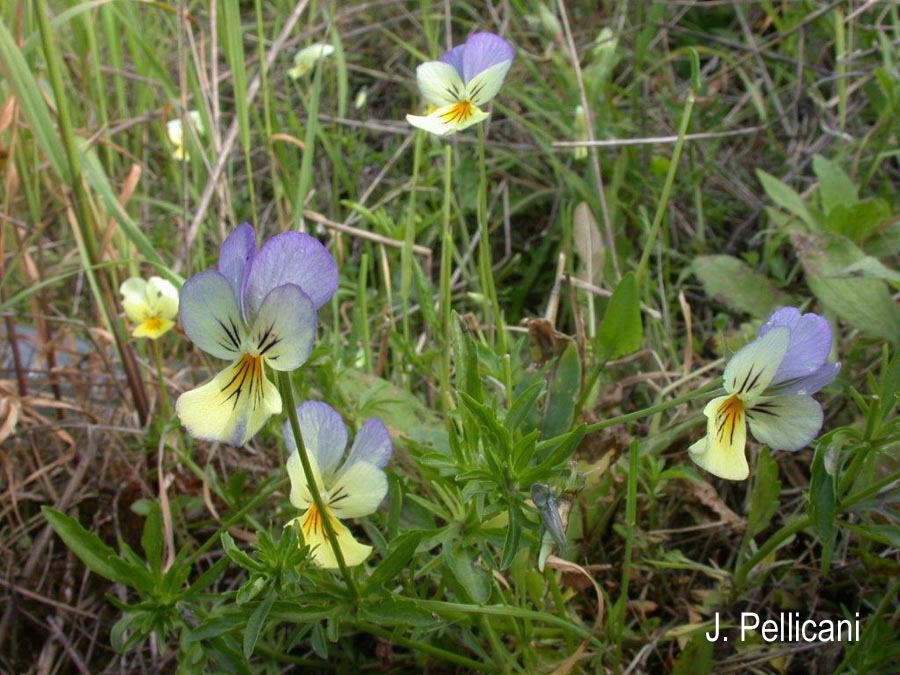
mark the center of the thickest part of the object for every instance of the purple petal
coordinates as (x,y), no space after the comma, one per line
(291,258)
(455,58)
(810,384)
(285,328)
(234,257)
(324,435)
(372,444)
(809,346)
(482,51)
(210,315)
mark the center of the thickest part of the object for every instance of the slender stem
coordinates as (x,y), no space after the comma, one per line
(650,243)
(165,403)
(427,648)
(409,237)
(445,299)
(777,539)
(494,317)
(652,410)
(287,395)
(630,521)
(448,609)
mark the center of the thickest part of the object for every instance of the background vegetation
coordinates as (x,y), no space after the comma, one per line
(746,158)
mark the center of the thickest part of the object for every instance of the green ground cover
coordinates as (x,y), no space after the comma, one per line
(539,308)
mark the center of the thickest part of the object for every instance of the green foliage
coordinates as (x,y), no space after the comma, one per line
(684,241)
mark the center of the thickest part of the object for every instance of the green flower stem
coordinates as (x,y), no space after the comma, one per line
(558,600)
(886,603)
(426,648)
(165,404)
(650,243)
(261,497)
(493,317)
(409,237)
(634,458)
(287,395)
(652,410)
(458,609)
(445,299)
(777,539)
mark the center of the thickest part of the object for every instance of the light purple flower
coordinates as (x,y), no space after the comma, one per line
(769,384)
(258,309)
(464,79)
(350,489)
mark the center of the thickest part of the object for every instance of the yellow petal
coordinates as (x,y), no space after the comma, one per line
(153,328)
(721,451)
(232,406)
(449,119)
(313,529)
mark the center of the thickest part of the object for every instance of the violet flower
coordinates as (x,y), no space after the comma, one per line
(769,384)
(258,309)
(351,489)
(464,79)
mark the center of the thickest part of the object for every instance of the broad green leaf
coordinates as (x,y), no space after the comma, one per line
(864,303)
(401,411)
(399,553)
(734,283)
(152,538)
(96,555)
(764,496)
(835,186)
(858,221)
(786,197)
(513,535)
(871,268)
(255,624)
(621,332)
(240,557)
(523,406)
(588,243)
(822,504)
(696,658)
(465,358)
(472,581)
(563,393)
(552,453)
(396,611)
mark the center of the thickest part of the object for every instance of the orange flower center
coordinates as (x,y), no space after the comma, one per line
(246,378)
(728,417)
(459,112)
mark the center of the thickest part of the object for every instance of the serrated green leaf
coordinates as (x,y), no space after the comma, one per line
(734,283)
(621,331)
(240,557)
(399,553)
(255,624)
